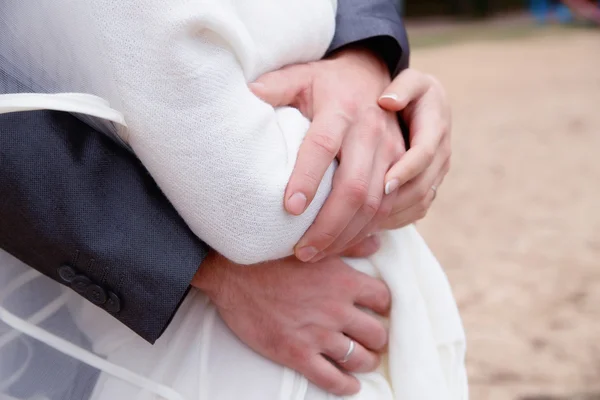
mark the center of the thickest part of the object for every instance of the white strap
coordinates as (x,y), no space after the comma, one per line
(80,103)
(30,329)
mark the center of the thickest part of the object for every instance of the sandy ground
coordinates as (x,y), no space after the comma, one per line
(517,221)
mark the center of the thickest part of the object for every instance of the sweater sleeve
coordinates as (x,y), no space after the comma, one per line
(222,156)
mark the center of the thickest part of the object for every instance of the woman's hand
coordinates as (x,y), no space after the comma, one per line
(340,96)
(414,180)
(411,184)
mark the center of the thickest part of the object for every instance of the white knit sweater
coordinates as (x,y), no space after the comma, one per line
(221,155)
(178,71)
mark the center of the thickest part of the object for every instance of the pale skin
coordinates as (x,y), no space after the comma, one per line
(352,106)
(306,317)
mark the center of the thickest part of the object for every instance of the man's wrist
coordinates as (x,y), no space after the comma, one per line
(384,49)
(362,54)
(209,274)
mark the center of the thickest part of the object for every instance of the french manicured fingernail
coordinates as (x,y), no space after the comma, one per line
(296,203)
(391,186)
(390,96)
(306,254)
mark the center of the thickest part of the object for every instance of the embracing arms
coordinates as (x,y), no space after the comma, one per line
(96,200)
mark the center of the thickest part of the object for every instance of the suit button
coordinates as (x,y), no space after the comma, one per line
(80,283)
(113,304)
(95,294)
(67,273)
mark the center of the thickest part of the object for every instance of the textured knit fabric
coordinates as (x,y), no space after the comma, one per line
(223,158)
(221,155)
(37,243)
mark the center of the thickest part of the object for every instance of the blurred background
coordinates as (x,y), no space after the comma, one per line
(517,221)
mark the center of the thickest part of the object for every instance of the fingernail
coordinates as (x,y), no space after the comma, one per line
(391,186)
(305,254)
(296,203)
(391,96)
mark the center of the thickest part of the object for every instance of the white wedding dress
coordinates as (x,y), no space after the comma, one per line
(169,80)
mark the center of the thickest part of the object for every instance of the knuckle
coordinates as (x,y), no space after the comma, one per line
(299,355)
(326,143)
(350,283)
(380,337)
(357,191)
(349,106)
(338,312)
(428,153)
(421,212)
(384,211)
(398,149)
(371,206)
(322,338)
(383,297)
(373,117)
(421,192)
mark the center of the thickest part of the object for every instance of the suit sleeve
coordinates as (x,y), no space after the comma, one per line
(83,211)
(377,24)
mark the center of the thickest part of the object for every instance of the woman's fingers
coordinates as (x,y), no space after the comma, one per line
(418,188)
(363,248)
(427,131)
(409,86)
(423,102)
(410,211)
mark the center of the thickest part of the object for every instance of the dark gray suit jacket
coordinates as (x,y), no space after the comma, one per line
(83,211)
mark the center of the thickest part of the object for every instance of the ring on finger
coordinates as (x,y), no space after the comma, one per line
(434,190)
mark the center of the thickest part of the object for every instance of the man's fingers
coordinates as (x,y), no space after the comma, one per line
(361,360)
(328,377)
(371,132)
(283,87)
(405,217)
(409,86)
(318,150)
(365,248)
(367,330)
(375,296)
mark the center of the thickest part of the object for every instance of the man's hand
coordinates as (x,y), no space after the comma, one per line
(302,315)
(415,178)
(339,95)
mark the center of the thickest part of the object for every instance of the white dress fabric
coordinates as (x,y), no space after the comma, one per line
(173,78)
